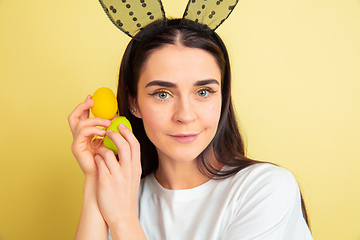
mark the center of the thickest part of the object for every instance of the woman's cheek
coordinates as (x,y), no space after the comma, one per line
(153,118)
(211,113)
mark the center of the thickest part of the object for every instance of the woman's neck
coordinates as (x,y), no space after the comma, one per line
(179,175)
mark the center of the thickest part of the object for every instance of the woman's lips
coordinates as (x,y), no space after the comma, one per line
(185,138)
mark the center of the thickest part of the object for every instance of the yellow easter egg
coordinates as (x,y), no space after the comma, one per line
(105,103)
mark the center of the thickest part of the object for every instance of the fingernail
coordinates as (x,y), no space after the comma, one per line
(89,100)
(103,131)
(109,131)
(122,125)
(108,121)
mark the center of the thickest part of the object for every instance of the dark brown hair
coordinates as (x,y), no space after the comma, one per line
(227,146)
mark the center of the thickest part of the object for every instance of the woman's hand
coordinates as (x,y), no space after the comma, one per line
(119,178)
(83,130)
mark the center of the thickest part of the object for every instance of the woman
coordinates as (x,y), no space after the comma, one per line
(183,173)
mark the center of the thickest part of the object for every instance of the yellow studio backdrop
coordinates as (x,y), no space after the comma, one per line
(296,87)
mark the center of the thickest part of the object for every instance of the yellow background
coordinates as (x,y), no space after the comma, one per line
(296,78)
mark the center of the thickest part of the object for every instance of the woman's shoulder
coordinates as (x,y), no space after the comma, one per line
(265,172)
(268,194)
(266,179)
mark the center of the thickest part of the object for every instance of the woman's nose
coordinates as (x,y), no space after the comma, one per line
(184,112)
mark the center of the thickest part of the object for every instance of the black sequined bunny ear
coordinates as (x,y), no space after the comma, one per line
(131,16)
(211,13)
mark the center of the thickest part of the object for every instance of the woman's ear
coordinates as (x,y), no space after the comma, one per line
(133,107)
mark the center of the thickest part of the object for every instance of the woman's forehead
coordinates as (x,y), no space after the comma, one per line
(179,61)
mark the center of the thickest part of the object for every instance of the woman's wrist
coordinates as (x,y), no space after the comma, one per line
(91,223)
(127,229)
(90,185)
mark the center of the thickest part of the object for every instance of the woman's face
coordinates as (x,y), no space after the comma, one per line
(179,101)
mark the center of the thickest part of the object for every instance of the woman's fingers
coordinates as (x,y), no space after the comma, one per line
(128,149)
(128,153)
(109,159)
(102,168)
(80,112)
(96,143)
(86,133)
(124,148)
(86,111)
(132,141)
(92,122)
(80,145)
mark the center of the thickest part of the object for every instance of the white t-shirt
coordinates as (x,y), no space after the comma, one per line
(260,202)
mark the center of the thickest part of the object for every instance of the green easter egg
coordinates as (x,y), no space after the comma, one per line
(114,126)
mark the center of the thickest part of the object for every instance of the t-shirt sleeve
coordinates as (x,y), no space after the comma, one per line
(268,208)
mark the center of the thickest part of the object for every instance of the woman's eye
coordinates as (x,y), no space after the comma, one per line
(203,93)
(162,95)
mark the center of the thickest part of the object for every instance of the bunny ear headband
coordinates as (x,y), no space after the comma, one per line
(131,16)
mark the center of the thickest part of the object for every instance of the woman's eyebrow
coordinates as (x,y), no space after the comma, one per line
(173,85)
(161,83)
(206,82)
